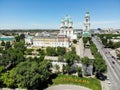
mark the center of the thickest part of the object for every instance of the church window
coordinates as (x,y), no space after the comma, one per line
(86,20)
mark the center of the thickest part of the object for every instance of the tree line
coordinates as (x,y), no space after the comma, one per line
(106,40)
(99,64)
(18,72)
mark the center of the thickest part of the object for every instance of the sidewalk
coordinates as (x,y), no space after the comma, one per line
(80,48)
(104,85)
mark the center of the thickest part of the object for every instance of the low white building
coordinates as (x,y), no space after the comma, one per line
(29,40)
(115,40)
(118,50)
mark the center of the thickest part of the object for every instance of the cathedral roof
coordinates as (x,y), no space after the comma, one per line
(67,18)
(86,34)
(62,20)
(70,20)
(87,12)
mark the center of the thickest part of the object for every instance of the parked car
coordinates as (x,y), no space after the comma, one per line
(107,78)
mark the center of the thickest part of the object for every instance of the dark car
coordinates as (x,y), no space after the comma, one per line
(113,62)
(101,76)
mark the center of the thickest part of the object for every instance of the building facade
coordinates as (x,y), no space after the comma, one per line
(28,39)
(51,41)
(86,26)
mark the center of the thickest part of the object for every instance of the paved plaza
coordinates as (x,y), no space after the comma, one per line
(67,87)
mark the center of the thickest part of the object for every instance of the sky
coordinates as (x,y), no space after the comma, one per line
(47,14)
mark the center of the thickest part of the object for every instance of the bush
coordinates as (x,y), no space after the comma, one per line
(74,41)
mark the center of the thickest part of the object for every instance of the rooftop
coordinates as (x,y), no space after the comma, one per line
(6,38)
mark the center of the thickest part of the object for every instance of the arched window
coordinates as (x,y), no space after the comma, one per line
(86,27)
(86,20)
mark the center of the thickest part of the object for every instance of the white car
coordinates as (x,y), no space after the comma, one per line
(107,78)
(109,83)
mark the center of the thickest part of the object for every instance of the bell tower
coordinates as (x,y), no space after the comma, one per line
(86,25)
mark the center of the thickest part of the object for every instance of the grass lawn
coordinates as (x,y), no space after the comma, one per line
(91,83)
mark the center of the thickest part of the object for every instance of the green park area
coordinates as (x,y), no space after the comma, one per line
(91,83)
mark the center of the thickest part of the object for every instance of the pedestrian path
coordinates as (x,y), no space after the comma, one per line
(80,48)
(104,85)
(67,87)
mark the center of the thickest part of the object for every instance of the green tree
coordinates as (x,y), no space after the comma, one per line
(17,39)
(57,67)
(13,56)
(2,69)
(60,58)
(74,41)
(73,50)
(118,55)
(79,70)
(93,48)
(116,45)
(99,63)
(86,39)
(2,43)
(22,36)
(79,36)
(41,52)
(20,46)
(1,49)
(28,51)
(67,69)
(71,57)
(100,66)
(8,78)
(7,45)
(61,50)
(28,74)
(63,69)
(51,51)
(86,61)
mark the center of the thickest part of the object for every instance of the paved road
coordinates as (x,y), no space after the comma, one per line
(113,69)
(67,87)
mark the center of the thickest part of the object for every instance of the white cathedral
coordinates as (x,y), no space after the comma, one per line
(66,28)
